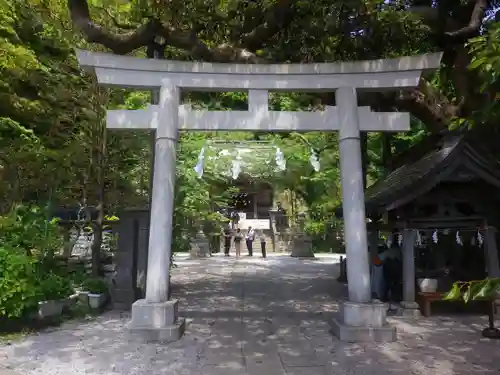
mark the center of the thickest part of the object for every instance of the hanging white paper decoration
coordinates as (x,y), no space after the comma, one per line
(480,238)
(418,240)
(435,236)
(236,166)
(199,166)
(280,160)
(389,241)
(236,169)
(400,239)
(314,160)
(459,240)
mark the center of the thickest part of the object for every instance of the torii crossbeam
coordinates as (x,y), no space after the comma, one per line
(253,121)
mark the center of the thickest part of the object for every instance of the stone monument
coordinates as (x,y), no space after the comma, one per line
(200,246)
(280,229)
(301,242)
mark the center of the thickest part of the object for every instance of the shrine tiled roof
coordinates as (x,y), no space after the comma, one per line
(420,175)
(384,192)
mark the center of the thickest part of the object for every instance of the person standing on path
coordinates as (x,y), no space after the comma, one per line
(238,237)
(250,237)
(227,240)
(263,244)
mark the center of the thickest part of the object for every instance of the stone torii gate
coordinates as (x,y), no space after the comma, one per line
(156,317)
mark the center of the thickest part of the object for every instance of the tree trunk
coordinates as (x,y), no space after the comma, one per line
(96,248)
(364,156)
(386,153)
(97,226)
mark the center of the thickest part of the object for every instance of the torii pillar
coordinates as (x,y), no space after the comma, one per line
(156,317)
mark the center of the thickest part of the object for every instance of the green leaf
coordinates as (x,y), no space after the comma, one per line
(476,63)
(477,289)
(453,294)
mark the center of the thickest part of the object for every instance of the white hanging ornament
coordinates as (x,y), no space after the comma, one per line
(199,166)
(389,242)
(236,169)
(400,239)
(459,240)
(236,166)
(280,160)
(435,236)
(313,158)
(418,240)
(480,238)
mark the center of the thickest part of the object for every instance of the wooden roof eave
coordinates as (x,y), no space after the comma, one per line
(484,167)
(427,184)
(443,169)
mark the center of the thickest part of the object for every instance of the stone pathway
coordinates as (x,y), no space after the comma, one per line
(256,316)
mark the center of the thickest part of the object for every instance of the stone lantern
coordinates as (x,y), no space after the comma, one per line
(301,242)
(200,246)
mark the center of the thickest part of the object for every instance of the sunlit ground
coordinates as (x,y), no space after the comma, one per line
(257,316)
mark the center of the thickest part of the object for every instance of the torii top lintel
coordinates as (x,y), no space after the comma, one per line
(133,72)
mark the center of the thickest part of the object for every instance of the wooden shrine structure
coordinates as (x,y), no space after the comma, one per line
(448,184)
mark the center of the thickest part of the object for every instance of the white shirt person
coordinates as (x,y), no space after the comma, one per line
(249,238)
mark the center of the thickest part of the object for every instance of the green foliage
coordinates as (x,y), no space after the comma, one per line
(27,228)
(473,290)
(18,283)
(485,51)
(54,287)
(95,286)
(27,270)
(51,114)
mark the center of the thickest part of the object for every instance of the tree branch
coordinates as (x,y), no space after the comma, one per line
(146,34)
(277,18)
(431,17)
(121,43)
(474,25)
(451,31)
(424,102)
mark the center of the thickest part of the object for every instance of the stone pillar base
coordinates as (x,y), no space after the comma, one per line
(363,322)
(409,309)
(156,322)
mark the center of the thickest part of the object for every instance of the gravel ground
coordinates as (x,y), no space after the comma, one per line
(256,316)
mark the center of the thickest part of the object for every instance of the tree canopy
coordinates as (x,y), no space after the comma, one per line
(54,146)
(305,31)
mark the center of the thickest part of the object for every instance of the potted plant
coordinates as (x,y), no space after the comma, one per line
(427,285)
(97,292)
(53,292)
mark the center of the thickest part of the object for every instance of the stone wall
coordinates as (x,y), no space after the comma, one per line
(130,258)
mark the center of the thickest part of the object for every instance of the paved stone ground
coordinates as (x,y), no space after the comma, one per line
(256,316)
